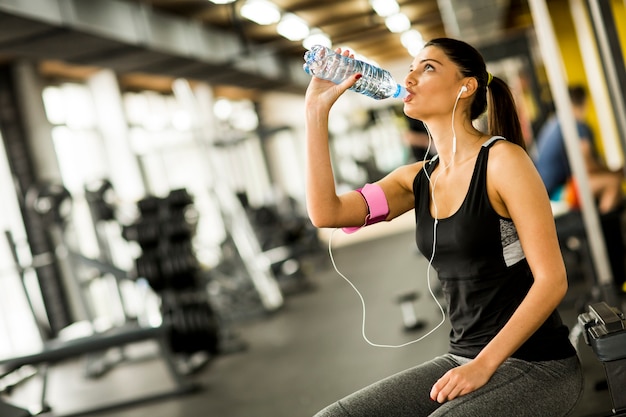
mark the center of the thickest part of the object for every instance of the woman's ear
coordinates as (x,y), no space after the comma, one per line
(470,86)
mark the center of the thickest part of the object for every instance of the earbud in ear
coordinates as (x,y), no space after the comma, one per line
(463,89)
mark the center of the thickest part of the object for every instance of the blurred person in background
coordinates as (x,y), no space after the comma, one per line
(553,164)
(606,185)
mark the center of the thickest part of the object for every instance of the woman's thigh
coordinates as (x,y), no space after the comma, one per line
(518,388)
(521,388)
(406,393)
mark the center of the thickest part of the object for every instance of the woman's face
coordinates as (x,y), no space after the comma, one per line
(433,83)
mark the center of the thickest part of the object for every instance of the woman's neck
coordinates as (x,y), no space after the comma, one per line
(467,137)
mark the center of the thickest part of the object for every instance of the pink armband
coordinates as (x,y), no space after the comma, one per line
(377,207)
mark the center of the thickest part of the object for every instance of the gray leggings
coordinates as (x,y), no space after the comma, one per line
(518,388)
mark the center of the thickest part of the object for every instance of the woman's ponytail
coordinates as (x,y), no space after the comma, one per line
(502,116)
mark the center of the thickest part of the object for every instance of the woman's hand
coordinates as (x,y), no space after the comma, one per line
(325,93)
(460,381)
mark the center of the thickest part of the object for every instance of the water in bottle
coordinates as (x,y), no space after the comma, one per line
(377,83)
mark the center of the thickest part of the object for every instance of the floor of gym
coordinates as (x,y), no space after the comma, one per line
(309,353)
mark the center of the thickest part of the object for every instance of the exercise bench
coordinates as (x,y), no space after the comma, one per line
(8,410)
(55,351)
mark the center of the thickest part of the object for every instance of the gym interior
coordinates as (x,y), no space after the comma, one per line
(157,258)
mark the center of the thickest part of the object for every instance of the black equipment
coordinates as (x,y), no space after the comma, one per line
(605,331)
(406,301)
(164,232)
(168,262)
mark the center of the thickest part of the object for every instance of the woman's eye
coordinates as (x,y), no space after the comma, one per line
(428,67)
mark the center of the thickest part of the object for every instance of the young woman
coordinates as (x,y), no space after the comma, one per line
(482,208)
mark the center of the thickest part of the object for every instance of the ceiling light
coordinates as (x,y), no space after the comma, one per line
(398,23)
(316,37)
(222,1)
(222,109)
(292,27)
(262,12)
(385,8)
(413,41)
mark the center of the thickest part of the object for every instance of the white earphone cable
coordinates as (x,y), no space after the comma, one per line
(363,333)
(432,257)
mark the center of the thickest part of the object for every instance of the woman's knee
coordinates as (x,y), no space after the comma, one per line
(333,410)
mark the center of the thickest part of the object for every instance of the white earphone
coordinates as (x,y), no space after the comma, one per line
(461,91)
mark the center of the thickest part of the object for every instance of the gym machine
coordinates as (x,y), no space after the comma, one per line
(245,270)
(49,201)
(605,331)
(287,239)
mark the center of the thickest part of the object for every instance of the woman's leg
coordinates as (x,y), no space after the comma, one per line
(520,388)
(405,394)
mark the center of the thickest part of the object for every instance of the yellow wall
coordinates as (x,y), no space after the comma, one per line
(568,43)
(619,9)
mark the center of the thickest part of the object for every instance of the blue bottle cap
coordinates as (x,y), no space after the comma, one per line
(400,92)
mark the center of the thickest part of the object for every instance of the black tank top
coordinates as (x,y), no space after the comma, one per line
(482,268)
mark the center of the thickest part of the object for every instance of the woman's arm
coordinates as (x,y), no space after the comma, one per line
(324,206)
(516,191)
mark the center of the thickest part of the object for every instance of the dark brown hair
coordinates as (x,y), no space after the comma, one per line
(577,94)
(502,116)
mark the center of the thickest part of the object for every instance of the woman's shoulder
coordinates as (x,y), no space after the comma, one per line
(508,157)
(405,174)
(504,148)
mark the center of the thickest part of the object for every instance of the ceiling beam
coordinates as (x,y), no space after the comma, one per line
(104,26)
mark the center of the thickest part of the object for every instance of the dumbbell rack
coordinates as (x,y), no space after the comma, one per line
(168,263)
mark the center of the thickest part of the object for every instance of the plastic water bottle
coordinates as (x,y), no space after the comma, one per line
(377,83)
